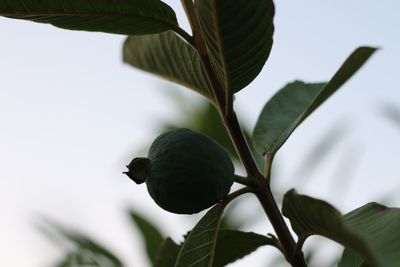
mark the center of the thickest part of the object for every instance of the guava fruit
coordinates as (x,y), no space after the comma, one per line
(185,171)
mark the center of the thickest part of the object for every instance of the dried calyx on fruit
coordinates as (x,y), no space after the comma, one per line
(185,171)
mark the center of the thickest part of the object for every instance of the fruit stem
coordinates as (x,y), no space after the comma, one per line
(242,180)
(236,194)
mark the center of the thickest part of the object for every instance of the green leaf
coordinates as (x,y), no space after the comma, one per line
(119,16)
(167,254)
(238,35)
(379,226)
(371,232)
(296,101)
(151,235)
(199,248)
(170,57)
(350,259)
(231,245)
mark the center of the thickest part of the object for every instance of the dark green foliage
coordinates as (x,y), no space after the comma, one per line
(371,232)
(170,57)
(296,101)
(207,245)
(282,114)
(238,35)
(150,235)
(231,245)
(119,16)
(188,171)
(199,245)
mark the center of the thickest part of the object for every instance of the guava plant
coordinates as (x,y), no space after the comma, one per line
(186,172)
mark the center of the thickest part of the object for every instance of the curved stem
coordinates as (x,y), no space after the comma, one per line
(236,194)
(242,180)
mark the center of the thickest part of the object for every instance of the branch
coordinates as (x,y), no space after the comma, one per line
(260,186)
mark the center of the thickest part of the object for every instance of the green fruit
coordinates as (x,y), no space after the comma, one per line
(185,171)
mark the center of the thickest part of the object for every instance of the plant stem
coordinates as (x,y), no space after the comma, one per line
(194,24)
(263,191)
(259,183)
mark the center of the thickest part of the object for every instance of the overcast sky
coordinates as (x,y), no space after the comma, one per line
(72,115)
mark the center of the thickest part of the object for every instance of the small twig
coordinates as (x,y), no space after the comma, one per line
(234,195)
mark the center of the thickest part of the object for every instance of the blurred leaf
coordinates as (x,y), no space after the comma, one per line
(151,235)
(167,254)
(231,245)
(207,120)
(345,170)
(98,250)
(371,231)
(86,252)
(391,112)
(309,255)
(349,259)
(169,56)
(118,16)
(238,35)
(296,101)
(83,258)
(380,227)
(320,150)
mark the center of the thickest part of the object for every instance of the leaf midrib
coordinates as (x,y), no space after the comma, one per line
(86,14)
(285,135)
(221,48)
(213,241)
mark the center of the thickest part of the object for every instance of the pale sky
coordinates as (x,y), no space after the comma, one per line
(72,115)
